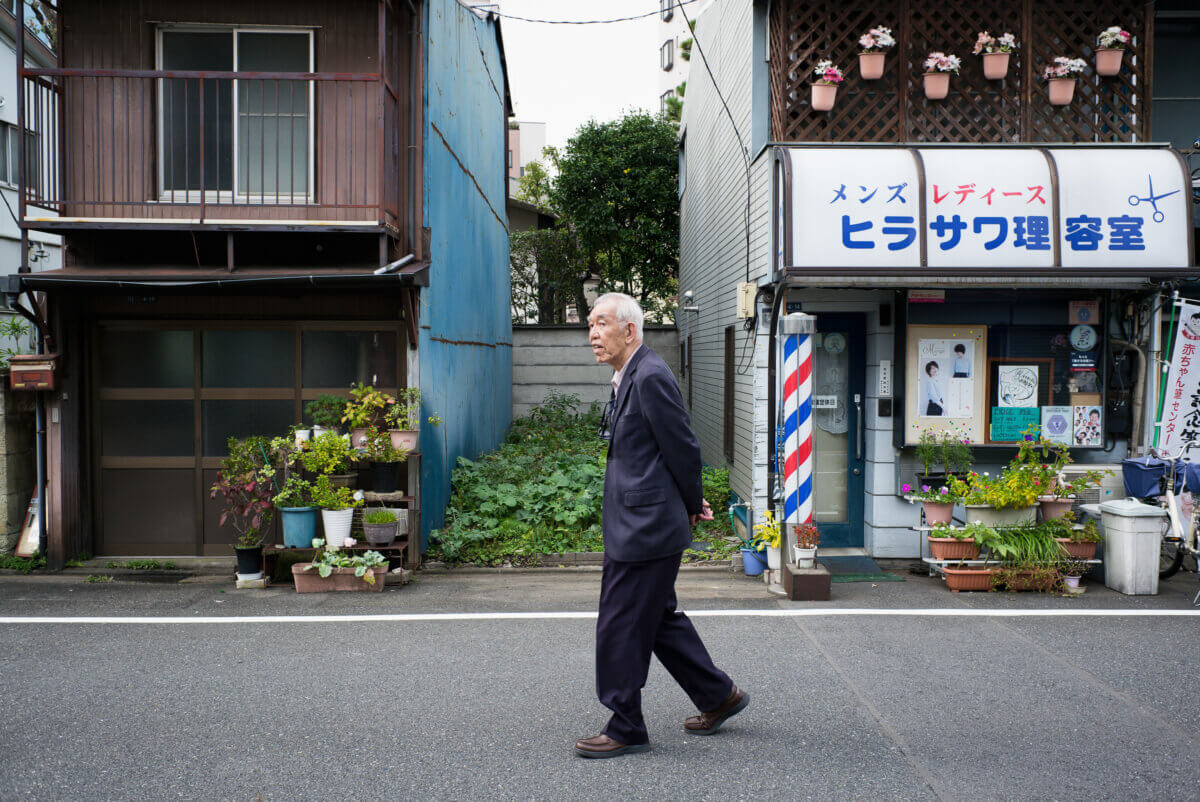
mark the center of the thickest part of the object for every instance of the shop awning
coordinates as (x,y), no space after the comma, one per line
(199,280)
(983,212)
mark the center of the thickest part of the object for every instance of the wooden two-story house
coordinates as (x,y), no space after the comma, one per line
(978,263)
(261,202)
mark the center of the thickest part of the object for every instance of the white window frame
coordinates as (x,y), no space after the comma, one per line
(233,195)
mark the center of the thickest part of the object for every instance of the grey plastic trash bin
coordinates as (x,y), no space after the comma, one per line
(1132,541)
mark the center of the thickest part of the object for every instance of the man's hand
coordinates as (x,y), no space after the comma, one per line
(705,514)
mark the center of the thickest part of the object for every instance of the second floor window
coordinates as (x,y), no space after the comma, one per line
(668,9)
(667,54)
(250,136)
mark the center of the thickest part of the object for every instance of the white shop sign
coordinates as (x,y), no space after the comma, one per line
(986,206)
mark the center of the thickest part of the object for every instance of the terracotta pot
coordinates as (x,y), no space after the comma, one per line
(951,548)
(823,96)
(408,439)
(1061,91)
(341,579)
(870,65)
(995,66)
(937,85)
(968,578)
(937,512)
(1029,580)
(990,516)
(1078,550)
(1108,60)
(1055,507)
(344,479)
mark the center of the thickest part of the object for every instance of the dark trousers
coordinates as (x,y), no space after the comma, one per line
(637,618)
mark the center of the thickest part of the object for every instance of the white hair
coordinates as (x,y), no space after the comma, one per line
(627,308)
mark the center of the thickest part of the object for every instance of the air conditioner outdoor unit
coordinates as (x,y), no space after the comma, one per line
(1110,487)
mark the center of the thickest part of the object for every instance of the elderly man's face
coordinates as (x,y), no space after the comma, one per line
(610,339)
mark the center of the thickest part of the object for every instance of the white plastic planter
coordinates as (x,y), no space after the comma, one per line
(337,526)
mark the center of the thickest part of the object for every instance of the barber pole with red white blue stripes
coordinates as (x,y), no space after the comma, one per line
(798,329)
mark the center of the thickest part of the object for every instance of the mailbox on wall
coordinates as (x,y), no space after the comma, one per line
(32,371)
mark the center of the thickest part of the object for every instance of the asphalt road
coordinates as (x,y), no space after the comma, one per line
(971,698)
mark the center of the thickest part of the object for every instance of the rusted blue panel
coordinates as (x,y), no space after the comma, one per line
(465,347)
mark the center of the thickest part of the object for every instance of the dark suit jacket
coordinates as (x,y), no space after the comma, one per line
(652,483)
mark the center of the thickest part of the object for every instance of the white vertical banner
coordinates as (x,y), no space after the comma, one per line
(1180,418)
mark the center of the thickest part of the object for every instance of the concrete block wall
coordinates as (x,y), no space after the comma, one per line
(17,461)
(557,358)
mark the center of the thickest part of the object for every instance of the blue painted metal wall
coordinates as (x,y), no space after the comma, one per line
(465,347)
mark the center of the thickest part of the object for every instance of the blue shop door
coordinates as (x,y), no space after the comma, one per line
(839,405)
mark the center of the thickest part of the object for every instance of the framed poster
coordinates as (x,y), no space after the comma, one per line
(1017,390)
(945,381)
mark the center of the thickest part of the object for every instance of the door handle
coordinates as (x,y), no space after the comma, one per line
(859,435)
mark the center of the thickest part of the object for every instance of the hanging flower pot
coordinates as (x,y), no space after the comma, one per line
(937,85)
(870,65)
(874,43)
(823,96)
(1062,90)
(995,66)
(1108,60)
(824,88)
(1110,50)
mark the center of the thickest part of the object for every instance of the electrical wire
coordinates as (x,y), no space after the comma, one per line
(501,14)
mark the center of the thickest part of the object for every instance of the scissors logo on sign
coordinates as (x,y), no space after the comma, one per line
(1152,199)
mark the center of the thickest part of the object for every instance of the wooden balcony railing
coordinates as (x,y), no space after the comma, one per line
(206,149)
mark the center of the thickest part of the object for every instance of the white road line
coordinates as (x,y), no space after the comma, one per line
(808,612)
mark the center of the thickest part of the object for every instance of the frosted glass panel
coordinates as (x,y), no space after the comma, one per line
(342,358)
(147,429)
(831,387)
(249,358)
(146,359)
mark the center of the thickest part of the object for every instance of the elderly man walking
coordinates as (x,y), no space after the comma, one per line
(652,499)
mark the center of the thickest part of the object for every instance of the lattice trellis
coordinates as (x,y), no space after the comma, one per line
(1017,109)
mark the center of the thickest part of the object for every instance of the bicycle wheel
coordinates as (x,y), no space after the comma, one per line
(1170,555)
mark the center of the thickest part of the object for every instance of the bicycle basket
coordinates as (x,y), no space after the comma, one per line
(1142,475)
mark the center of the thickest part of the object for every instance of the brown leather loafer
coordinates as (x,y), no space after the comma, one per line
(603,746)
(710,722)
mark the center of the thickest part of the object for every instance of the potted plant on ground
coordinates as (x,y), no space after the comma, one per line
(996,52)
(962,576)
(1029,559)
(367,409)
(769,536)
(1110,50)
(337,509)
(404,420)
(873,46)
(929,454)
(938,504)
(808,537)
(329,454)
(948,542)
(325,411)
(340,570)
(297,512)
(1071,570)
(385,461)
(1060,77)
(245,485)
(379,526)
(938,69)
(826,78)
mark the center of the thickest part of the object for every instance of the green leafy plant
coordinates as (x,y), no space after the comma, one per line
(328,453)
(769,532)
(1028,545)
(26,565)
(972,489)
(943,495)
(245,484)
(957,455)
(379,515)
(377,447)
(296,492)
(328,497)
(327,558)
(368,407)
(405,414)
(326,410)
(142,565)
(928,451)
(1017,487)
(15,329)
(806,535)
(98,578)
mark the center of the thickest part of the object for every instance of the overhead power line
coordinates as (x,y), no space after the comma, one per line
(501,14)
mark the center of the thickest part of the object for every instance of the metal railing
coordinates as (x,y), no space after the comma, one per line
(198,146)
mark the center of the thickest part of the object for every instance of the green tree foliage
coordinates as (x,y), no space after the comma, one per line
(546,269)
(616,189)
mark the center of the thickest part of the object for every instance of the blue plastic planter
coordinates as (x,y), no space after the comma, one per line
(299,526)
(755,562)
